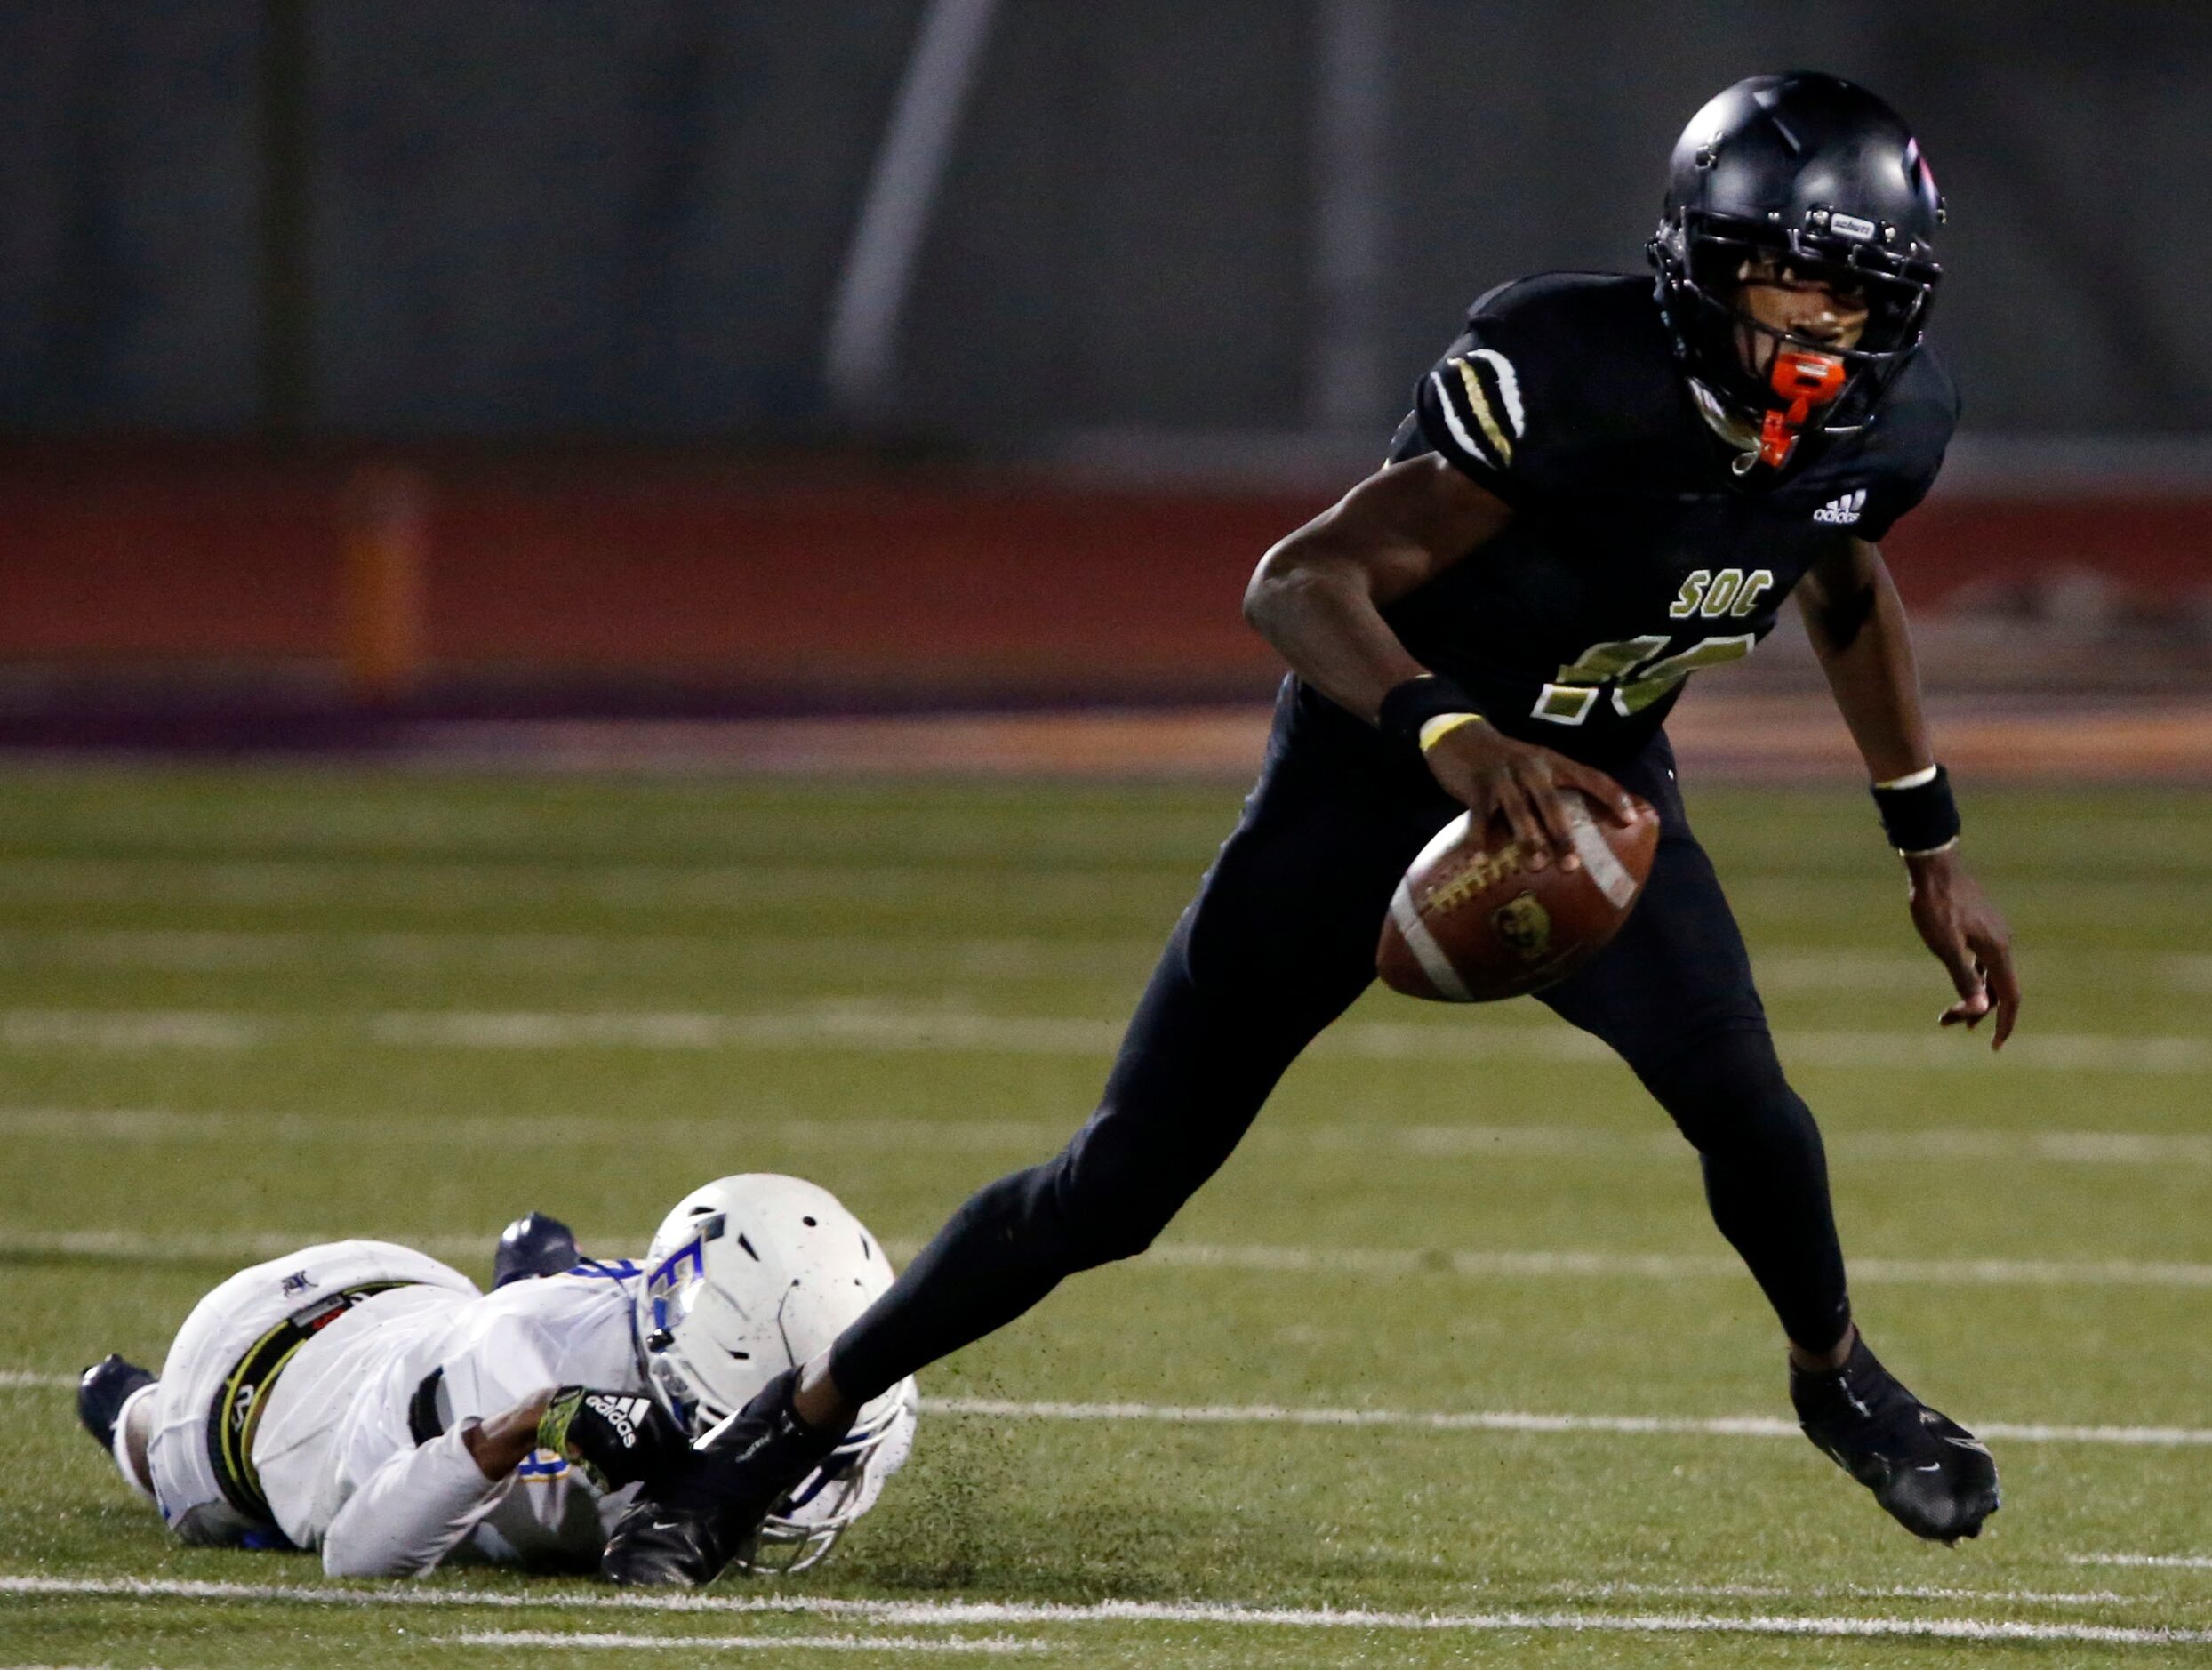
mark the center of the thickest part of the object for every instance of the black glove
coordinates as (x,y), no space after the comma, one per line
(679,1531)
(686,1526)
(618,1440)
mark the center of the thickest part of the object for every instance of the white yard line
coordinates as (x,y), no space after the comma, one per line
(848,871)
(219,951)
(859,1030)
(243,1246)
(1518,1421)
(606,1640)
(133,1029)
(758,1127)
(1005,1613)
(1321,1261)
(2149,1149)
(1484,1623)
(190,950)
(867,1029)
(1437,1420)
(1572,1263)
(1059,890)
(1845,1591)
(2161,1149)
(2175,1563)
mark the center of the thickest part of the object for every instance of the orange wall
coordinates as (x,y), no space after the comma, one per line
(809,576)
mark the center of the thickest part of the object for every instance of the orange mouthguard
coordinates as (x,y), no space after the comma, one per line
(1805,380)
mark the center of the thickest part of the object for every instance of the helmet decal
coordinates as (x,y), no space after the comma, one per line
(1915,162)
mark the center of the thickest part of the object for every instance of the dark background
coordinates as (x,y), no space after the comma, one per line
(513,218)
(364,352)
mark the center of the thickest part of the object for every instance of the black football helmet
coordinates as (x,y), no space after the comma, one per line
(1821,175)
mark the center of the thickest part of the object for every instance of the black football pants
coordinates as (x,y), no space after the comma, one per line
(1280,940)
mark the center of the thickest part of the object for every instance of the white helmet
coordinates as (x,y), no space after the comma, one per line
(749,1276)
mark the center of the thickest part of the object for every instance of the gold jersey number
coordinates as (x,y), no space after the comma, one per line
(1634,668)
(1635,671)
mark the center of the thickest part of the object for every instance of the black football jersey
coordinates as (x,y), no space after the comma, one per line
(1635,555)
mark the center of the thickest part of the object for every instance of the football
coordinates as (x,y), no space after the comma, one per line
(1471,921)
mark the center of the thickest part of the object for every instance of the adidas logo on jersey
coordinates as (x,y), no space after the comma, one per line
(1846,509)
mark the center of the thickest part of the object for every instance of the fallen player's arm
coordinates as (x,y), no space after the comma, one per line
(1856,622)
(500,1445)
(420,1504)
(415,1509)
(1318,596)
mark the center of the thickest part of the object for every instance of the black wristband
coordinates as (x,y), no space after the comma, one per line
(1409,706)
(1921,818)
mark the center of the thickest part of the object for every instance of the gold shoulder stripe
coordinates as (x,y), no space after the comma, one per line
(1480,404)
(1462,437)
(1509,388)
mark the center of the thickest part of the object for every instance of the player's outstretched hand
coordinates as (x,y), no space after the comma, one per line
(1969,937)
(617,1438)
(1496,776)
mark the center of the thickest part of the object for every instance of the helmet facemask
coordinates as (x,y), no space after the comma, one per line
(806,1524)
(1781,383)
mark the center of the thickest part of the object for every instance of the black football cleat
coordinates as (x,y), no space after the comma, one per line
(1935,1477)
(692,1524)
(533,1245)
(102,1391)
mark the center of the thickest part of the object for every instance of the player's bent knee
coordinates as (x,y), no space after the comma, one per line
(1059,1225)
(1115,1208)
(1092,1244)
(1728,1095)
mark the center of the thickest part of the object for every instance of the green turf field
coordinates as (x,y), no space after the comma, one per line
(245,1010)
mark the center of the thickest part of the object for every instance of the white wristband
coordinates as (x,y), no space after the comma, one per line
(1928,851)
(1912,779)
(1434,730)
(119,1446)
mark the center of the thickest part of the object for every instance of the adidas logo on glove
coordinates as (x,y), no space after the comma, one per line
(622,1414)
(1846,509)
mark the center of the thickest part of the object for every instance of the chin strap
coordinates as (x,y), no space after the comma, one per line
(1805,380)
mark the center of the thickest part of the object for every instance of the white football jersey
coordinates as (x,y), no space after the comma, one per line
(224,1326)
(344,1413)
(491,1354)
